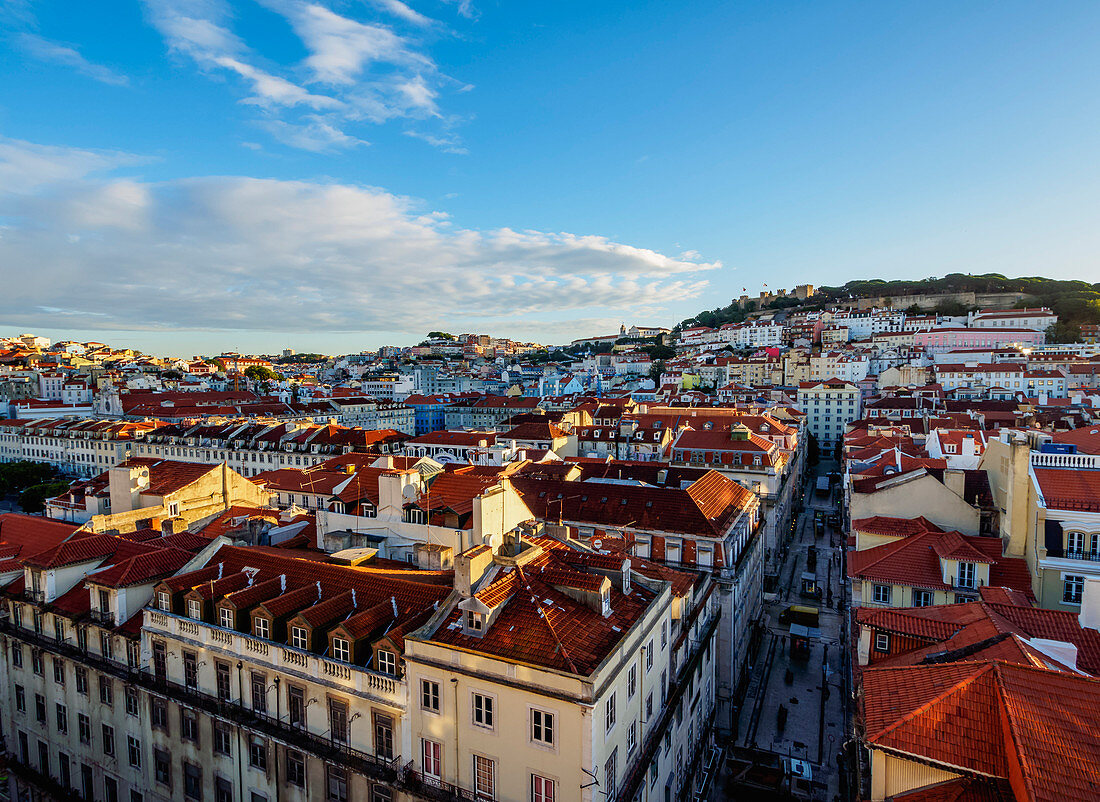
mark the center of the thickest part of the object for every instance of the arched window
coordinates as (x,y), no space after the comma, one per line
(1075,542)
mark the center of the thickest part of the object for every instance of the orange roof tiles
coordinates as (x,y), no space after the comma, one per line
(1033,727)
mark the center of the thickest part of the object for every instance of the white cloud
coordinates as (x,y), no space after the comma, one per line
(56,53)
(369,72)
(24,166)
(403,11)
(249,254)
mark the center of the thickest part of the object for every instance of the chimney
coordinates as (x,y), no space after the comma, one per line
(955,481)
(1089,617)
(470,566)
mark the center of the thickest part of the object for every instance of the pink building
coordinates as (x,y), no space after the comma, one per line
(938,340)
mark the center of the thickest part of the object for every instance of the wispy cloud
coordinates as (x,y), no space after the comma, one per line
(238,253)
(57,53)
(355,72)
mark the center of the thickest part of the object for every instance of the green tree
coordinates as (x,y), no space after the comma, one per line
(17,476)
(33,499)
(655,371)
(1062,332)
(258,373)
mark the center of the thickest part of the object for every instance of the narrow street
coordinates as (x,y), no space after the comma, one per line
(795,704)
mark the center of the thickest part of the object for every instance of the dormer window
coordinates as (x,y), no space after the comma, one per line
(225,617)
(387,662)
(475,622)
(341,650)
(299,638)
(194,609)
(605,599)
(260,627)
(104,601)
(164,601)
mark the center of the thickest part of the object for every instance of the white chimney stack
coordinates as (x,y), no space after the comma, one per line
(1089,617)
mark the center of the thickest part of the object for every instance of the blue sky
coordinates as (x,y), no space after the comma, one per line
(191,175)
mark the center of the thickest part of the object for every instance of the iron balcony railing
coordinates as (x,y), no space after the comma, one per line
(636,775)
(374,766)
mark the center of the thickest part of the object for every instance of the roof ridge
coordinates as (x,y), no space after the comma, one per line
(546,618)
(1002,699)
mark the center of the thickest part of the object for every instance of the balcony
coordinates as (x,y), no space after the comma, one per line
(349,678)
(1078,554)
(966,583)
(373,766)
(36,596)
(103,617)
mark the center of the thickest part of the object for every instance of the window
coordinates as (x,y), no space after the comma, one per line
(164,601)
(967,575)
(108,740)
(106,691)
(648,706)
(882,642)
(475,622)
(132,701)
(221,677)
(40,708)
(257,754)
(631,682)
(881,593)
(542,789)
(542,727)
(223,790)
(922,598)
(162,767)
(225,617)
(62,718)
(431,758)
(189,725)
(159,713)
(36,661)
(610,770)
(160,660)
(336,784)
(194,609)
(84,728)
(338,719)
(17,655)
(20,699)
(59,671)
(222,738)
(63,770)
(298,638)
(609,713)
(58,628)
(1073,588)
(192,781)
(295,768)
(296,705)
(259,692)
(133,654)
(261,628)
(484,777)
(133,751)
(383,736)
(429,695)
(483,710)
(387,661)
(649,656)
(106,646)
(110,789)
(190,669)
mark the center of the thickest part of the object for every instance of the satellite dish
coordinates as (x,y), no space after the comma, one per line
(409,492)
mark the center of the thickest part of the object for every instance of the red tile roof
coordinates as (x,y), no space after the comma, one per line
(1065,489)
(915,561)
(30,534)
(1033,727)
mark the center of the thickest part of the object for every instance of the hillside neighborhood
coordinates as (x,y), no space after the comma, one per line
(839,553)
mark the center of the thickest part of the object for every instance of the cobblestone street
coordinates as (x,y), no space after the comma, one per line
(794,704)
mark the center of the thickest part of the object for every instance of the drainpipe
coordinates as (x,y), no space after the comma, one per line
(240,754)
(275,744)
(458,776)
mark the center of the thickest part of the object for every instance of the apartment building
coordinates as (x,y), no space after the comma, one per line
(146,671)
(709,524)
(829,406)
(1050,514)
